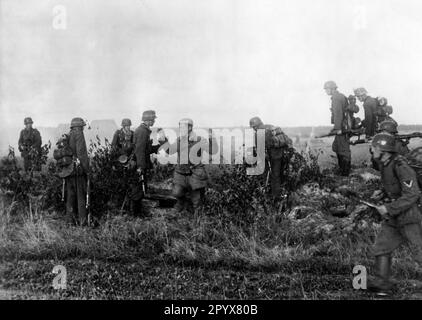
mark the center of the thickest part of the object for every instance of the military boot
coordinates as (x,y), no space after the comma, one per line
(346,165)
(180,204)
(382,284)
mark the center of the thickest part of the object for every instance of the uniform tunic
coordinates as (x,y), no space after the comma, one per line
(122,142)
(275,157)
(370,108)
(76,184)
(339,104)
(403,223)
(29,139)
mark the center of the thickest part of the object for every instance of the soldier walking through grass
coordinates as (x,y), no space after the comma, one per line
(341,130)
(402,216)
(276,144)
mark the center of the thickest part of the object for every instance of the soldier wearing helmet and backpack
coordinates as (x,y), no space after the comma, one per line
(401,216)
(276,144)
(370,108)
(76,181)
(29,145)
(342,128)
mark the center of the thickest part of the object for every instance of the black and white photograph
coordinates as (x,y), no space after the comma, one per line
(189,151)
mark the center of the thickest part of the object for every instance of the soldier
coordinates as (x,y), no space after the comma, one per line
(190,176)
(76,183)
(122,143)
(384,111)
(390,126)
(143,150)
(276,143)
(341,144)
(370,108)
(30,146)
(401,217)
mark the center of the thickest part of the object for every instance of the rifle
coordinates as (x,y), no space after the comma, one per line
(88,199)
(63,186)
(408,136)
(268,175)
(353,132)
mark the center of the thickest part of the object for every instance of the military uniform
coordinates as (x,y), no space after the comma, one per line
(341,144)
(76,183)
(370,108)
(143,150)
(404,217)
(122,142)
(276,157)
(190,177)
(30,148)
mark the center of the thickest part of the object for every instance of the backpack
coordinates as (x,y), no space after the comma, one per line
(64,157)
(279,139)
(414,159)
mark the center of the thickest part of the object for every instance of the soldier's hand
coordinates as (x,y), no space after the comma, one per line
(382,210)
(141,171)
(336,132)
(377,195)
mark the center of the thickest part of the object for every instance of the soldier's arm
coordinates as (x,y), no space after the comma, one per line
(115,139)
(38,141)
(20,142)
(370,108)
(81,150)
(141,141)
(337,110)
(410,190)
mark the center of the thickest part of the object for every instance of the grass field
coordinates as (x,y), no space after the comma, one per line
(170,256)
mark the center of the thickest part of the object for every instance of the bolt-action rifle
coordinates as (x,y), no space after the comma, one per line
(353,132)
(408,136)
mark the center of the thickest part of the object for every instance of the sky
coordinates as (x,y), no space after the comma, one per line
(219,62)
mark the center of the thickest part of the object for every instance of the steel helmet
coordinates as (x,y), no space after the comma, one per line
(385,141)
(123,159)
(187,121)
(389,126)
(126,122)
(382,101)
(360,92)
(28,120)
(77,122)
(148,115)
(330,85)
(255,122)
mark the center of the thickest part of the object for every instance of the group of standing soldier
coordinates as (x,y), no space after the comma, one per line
(401,213)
